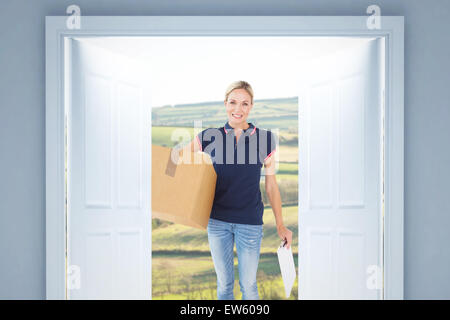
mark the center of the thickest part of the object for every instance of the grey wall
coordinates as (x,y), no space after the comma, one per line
(22,127)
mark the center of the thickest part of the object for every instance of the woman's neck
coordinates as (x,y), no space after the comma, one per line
(246,126)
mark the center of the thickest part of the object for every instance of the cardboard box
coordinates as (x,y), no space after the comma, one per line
(183,191)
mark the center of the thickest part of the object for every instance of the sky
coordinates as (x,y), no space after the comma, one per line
(197,69)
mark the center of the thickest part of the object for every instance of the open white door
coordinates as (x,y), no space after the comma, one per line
(109,222)
(340,171)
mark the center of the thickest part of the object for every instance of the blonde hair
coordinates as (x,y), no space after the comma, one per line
(239,85)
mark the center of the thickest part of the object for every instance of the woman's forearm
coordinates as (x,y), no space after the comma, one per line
(273,193)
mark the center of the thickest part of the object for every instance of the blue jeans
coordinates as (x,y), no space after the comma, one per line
(221,237)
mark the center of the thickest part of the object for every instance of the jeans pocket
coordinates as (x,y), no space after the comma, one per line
(217,227)
(252,231)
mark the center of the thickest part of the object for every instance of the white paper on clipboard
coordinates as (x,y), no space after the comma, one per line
(287,267)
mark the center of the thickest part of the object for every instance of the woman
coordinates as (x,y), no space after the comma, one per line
(236,215)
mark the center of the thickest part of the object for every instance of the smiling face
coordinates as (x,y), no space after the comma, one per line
(238,106)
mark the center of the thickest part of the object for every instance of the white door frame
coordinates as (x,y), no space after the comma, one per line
(58,30)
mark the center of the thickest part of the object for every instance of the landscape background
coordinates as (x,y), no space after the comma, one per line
(182,266)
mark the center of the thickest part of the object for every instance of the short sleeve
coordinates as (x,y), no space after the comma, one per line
(272,144)
(201,141)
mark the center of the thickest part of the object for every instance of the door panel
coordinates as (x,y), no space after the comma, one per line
(109,218)
(340,185)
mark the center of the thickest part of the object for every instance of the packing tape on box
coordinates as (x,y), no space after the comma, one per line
(171,167)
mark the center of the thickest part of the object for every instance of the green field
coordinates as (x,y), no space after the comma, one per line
(281,113)
(180,277)
(182,267)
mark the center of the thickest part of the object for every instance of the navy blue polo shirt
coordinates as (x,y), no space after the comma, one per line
(238,167)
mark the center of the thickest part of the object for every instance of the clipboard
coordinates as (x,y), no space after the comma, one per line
(287,267)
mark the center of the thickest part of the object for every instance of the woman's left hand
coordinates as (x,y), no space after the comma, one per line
(285,234)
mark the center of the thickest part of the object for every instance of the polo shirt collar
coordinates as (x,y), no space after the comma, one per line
(229,128)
